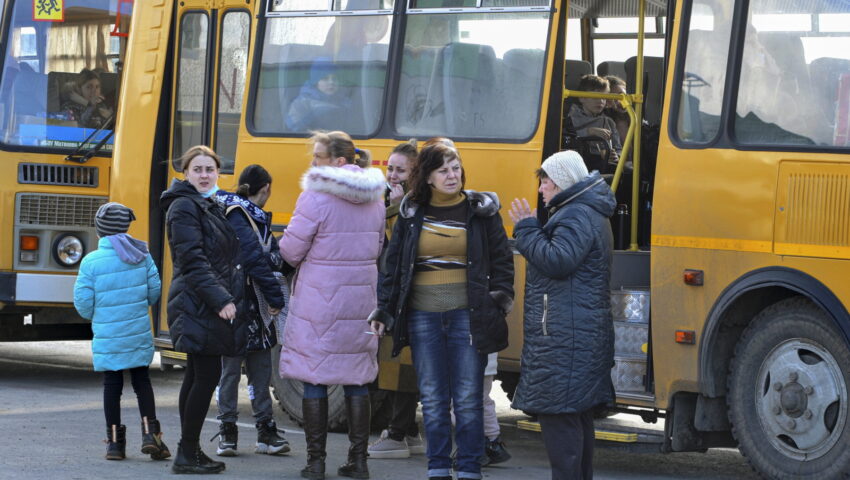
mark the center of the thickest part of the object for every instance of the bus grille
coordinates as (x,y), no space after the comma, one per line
(48,174)
(57,210)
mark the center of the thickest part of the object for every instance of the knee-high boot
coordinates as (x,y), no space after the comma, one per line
(315,412)
(359,413)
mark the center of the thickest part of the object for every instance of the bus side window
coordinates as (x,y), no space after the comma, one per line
(521,73)
(468,85)
(826,73)
(420,108)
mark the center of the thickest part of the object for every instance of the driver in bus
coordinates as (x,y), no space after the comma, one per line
(321,103)
(85,103)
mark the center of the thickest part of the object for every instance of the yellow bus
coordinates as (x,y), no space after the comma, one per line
(739,225)
(58,96)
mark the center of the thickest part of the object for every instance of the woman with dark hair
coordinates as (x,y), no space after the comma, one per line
(334,239)
(260,259)
(206,288)
(449,287)
(85,103)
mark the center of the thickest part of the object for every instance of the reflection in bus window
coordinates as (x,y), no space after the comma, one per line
(59,79)
(795,76)
(235,32)
(299,52)
(191,102)
(461,77)
(701,97)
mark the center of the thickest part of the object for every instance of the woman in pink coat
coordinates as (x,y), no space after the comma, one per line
(334,239)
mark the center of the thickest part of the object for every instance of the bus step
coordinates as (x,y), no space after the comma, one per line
(607,432)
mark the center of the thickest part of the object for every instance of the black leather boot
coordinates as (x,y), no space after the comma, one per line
(116,442)
(190,459)
(315,412)
(359,412)
(152,443)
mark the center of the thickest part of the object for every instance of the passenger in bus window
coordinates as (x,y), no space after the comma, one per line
(334,240)
(321,102)
(568,348)
(260,258)
(615,110)
(205,300)
(450,289)
(587,118)
(396,375)
(85,103)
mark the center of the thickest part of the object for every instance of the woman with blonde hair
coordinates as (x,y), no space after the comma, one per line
(334,240)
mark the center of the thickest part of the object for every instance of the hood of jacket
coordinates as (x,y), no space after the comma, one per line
(129,249)
(348,182)
(179,188)
(592,191)
(483,204)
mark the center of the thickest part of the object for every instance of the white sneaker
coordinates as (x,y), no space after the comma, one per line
(386,447)
(415,444)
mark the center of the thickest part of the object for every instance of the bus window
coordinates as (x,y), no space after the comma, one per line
(323,72)
(59,79)
(191,83)
(235,31)
(704,76)
(461,77)
(795,75)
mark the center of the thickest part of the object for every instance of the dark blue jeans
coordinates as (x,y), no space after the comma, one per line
(321,391)
(450,373)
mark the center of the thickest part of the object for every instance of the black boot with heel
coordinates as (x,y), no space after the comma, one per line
(315,411)
(359,412)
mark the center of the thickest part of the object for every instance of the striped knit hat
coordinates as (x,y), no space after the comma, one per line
(112,218)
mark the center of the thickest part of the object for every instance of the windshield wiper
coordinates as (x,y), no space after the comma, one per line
(76,156)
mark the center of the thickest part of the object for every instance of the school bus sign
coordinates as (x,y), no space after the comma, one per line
(48,10)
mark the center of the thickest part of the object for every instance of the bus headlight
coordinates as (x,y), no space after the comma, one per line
(68,250)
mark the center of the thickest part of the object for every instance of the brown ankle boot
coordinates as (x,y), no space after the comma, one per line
(359,412)
(315,411)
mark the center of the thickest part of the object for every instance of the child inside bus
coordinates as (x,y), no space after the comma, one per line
(321,104)
(114,287)
(588,120)
(615,109)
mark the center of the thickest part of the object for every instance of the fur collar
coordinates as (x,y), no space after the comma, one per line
(483,204)
(349,182)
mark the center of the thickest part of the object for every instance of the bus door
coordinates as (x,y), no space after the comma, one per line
(211,57)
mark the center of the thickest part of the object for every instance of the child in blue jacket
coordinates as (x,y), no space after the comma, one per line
(114,287)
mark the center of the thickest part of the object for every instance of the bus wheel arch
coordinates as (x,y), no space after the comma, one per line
(740,303)
(787,393)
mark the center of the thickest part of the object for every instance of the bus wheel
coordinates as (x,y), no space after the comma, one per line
(289,393)
(788,394)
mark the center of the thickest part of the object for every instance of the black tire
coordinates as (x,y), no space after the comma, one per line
(785,428)
(289,393)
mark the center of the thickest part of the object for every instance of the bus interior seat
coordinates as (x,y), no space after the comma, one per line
(372,80)
(29,94)
(612,68)
(420,109)
(468,87)
(519,89)
(573,71)
(653,86)
(825,73)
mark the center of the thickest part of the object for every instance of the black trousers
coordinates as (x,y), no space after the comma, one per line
(113,387)
(199,382)
(403,421)
(568,438)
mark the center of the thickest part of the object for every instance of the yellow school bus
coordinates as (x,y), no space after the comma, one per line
(735,230)
(58,95)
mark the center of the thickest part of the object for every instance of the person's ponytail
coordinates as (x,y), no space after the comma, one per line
(243,190)
(363,158)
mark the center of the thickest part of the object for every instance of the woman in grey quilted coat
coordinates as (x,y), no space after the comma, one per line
(568,349)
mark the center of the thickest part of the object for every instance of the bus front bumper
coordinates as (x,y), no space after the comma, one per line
(36,288)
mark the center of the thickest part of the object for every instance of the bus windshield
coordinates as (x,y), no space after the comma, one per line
(60,72)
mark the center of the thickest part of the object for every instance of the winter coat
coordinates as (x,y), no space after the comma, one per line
(333,239)
(568,348)
(207,275)
(257,264)
(312,109)
(489,273)
(114,290)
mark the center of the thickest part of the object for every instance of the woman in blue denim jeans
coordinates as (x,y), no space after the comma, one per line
(448,288)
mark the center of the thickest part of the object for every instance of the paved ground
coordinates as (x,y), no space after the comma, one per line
(51,426)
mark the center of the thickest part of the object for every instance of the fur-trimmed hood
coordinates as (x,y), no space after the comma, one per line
(483,204)
(349,182)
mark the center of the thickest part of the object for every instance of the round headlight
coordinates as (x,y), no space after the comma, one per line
(68,250)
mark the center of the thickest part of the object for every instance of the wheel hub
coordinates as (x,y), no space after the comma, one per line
(801,399)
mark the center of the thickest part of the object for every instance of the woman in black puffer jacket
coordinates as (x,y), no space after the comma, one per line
(206,289)
(568,348)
